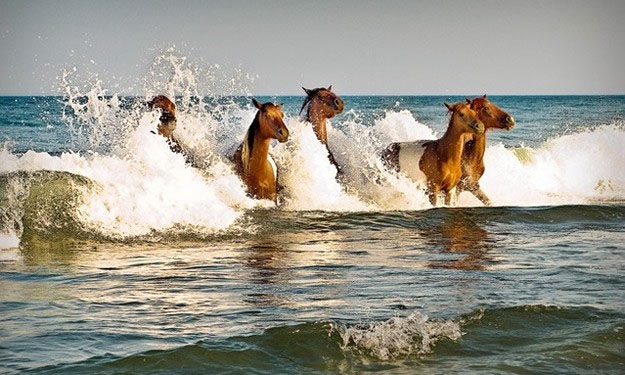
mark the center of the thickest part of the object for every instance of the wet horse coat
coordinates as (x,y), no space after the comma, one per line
(475,146)
(168,121)
(323,104)
(438,162)
(251,159)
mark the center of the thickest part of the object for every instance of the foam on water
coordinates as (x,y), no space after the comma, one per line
(398,337)
(577,168)
(9,241)
(152,190)
(309,178)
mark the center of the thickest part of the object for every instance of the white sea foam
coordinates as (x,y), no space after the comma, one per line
(398,337)
(150,189)
(309,177)
(8,241)
(578,168)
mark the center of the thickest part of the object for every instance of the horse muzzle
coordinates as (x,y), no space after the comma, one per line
(339,105)
(282,135)
(477,127)
(510,122)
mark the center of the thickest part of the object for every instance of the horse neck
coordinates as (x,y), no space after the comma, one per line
(478,147)
(451,145)
(260,149)
(316,117)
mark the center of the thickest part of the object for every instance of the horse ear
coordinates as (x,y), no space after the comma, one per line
(468,100)
(484,97)
(257,104)
(330,88)
(449,106)
(280,105)
(307,91)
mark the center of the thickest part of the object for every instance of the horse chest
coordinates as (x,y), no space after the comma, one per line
(473,160)
(262,183)
(472,170)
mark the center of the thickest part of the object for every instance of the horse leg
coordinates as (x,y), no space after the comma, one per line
(451,197)
(479,194)
(432,196)
(433,192)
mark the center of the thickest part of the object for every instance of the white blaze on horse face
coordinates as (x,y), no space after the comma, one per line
(410,154)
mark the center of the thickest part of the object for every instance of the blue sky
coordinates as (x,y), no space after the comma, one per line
(361,47)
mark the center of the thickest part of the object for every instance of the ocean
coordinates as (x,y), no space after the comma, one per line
(117,257)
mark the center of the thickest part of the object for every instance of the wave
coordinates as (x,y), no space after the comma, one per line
(557,338)
(131,185)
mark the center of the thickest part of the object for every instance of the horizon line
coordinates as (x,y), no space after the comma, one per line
(353,95)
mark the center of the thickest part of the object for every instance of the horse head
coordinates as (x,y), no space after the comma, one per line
(168,114)
(491,115)
(270,121)
(323,102)
(465,119)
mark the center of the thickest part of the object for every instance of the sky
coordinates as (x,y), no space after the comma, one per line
(360,47)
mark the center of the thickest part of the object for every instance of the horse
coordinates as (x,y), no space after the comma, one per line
(437,162)
(251,159)
(167,120)
(323,104)
(475,146)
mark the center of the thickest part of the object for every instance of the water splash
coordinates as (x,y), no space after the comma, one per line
(398,337)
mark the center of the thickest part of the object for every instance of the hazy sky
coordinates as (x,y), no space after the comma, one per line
(361,47)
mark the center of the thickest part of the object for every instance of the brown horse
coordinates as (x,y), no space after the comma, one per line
(475,145)
(437,162)
(167,123)
(323,104)
(252,160)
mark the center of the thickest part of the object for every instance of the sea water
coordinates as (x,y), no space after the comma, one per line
(118,257)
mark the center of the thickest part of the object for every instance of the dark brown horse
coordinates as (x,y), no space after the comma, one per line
(437,162)
(252,161)
(323,104)
(475,145)
(168,122)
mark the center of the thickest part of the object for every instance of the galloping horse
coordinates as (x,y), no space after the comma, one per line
(167,123)
(475,145)
(437,162)
(252,161)
(322,104)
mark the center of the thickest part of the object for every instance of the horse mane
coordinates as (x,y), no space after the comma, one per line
(248,141)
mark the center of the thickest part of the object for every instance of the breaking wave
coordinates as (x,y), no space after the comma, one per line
(127,183)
